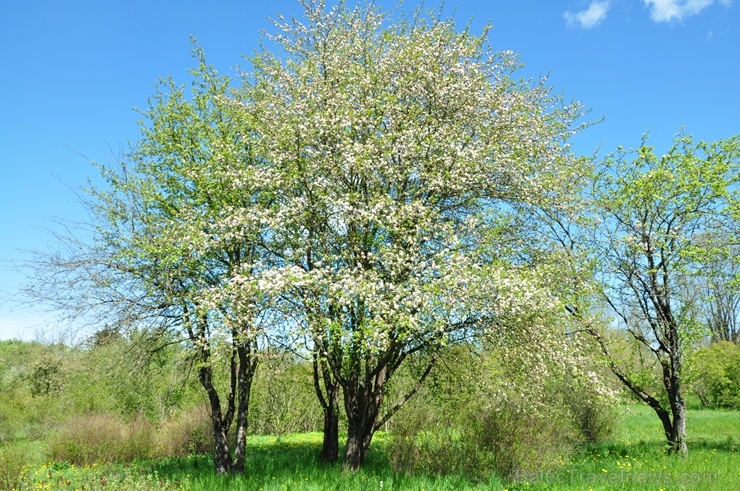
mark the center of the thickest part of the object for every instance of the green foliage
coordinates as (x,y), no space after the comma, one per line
(46,376)
(715,375)
(469,420)
(14,460)
(136,375)
(28,370)
(521,440)
(283,399)
(595,419)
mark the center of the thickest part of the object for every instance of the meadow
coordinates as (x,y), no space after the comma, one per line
(634,459)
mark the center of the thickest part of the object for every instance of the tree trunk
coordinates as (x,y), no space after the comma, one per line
(354,452)
(327,390)
(359,436)
(221,454)
(242,366)
(247,368)
(677,436)
(330,446)
(362,401)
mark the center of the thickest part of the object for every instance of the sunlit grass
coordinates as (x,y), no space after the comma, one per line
(634,459)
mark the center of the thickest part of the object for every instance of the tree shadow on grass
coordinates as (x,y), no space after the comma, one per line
(278,459)
(292,464)
(728,444)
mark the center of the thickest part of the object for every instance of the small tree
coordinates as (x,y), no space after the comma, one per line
(401,148)
(174,244)
(655,215)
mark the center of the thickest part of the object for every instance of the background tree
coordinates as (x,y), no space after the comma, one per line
(721,306)
(401,146)
(715,374)
(654,215)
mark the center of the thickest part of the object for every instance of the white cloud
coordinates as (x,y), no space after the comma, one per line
(592,16)
(669,10)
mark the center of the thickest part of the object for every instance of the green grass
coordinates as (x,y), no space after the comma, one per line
(634,459)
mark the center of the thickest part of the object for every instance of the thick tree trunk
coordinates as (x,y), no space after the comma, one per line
(362,401)
(327,390)
(330,446)
(221,453)
(678,435)
(359,436)
(674,387)
(240,446)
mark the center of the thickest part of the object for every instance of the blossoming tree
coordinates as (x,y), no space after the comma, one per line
(401,146)
(369,190)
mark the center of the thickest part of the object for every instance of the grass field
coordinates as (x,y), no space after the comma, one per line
(635,459)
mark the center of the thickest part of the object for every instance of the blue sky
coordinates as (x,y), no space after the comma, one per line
(72,72)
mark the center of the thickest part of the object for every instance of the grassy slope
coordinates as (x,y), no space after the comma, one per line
(633,460)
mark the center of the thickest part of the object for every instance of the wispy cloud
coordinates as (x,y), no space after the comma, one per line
(592,16)
(670,10)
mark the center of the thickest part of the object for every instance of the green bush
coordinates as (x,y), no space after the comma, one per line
(505,438)
(594,418)
(714,375)
(476,418)
(283,399)
(521,441)
(13,461)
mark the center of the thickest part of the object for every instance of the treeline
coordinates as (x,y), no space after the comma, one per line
(119,399)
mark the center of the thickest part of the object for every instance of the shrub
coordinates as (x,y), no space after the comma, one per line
(596,419)
(505,438)
(283,399)
(13,461)
(520,440)
(715,375)
(412,449)
(188,433)
(481,419)
(101,437)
